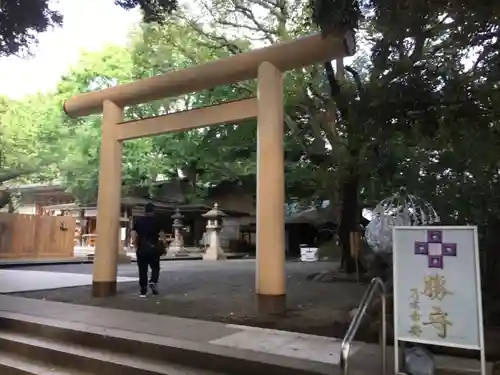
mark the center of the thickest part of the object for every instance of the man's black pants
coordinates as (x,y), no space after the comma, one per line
(146,259)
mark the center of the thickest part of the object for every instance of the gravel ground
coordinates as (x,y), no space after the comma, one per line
(224,292)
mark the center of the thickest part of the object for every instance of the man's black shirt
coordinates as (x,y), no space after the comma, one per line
(147,229)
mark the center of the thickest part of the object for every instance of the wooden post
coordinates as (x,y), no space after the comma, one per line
(128,231)
(82,226)
(108,204)
(270,275)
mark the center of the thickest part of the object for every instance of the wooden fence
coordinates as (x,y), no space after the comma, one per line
(36,237)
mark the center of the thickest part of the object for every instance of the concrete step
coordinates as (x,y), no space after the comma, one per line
(101,350)
(104,351)
(60,355)
(12,364)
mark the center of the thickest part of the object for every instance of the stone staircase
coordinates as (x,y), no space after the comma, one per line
(33,345)
(30,347)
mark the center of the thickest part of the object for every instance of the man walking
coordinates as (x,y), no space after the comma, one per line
(147,237)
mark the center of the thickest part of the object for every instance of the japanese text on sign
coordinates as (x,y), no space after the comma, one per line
(434,289)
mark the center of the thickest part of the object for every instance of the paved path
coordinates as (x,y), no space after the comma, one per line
(12,281)
(223,292)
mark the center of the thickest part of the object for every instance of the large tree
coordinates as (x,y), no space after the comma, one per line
(432,83)
(389,121)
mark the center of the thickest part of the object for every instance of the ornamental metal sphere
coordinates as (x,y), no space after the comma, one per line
(401,209)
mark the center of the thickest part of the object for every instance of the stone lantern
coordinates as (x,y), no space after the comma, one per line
(214,226)
(177,245)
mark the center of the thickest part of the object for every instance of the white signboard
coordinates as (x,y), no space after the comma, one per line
(309,254)
(437,288)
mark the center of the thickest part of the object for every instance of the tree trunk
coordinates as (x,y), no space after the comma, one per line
(348,221)
(491,267)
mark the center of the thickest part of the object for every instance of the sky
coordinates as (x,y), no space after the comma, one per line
(88,25)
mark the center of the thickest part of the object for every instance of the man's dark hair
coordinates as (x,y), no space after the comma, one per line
(149,208)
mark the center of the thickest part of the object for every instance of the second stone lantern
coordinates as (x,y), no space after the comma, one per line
(214,226)
(176,247)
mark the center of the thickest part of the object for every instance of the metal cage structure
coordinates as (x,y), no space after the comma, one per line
(400,209)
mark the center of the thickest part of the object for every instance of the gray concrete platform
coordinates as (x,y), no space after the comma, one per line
(13,281)
(13,263)
(297,350)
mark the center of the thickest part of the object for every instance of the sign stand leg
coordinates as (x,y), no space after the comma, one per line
(396,356)
(483,360)
(357,269)
(482,351)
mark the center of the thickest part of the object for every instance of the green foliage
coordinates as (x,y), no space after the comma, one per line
(79,167)
(335,15)
(74,143)
(154,10)
(416,117)
(196,153)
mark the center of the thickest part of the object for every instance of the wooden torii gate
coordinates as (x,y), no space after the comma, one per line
(267,65)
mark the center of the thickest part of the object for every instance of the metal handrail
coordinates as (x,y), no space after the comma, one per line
(356,322)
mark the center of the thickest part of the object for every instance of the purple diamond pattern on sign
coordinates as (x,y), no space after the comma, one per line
(421,248)
(435,261)
(434,236)
(449,249)
(445,249)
